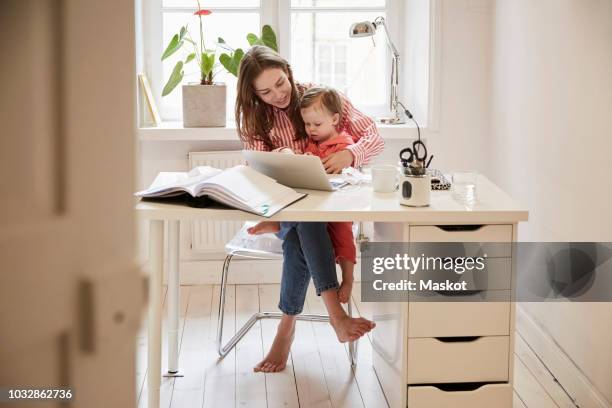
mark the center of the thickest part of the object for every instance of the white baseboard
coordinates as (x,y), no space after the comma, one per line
(242,271)
(570,377)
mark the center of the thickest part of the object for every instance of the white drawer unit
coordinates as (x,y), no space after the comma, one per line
(467,233)
(450,349)
(452,319)
(438,360)
(484,396)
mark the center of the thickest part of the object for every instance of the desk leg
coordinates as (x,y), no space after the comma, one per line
(173,295)
(156,256)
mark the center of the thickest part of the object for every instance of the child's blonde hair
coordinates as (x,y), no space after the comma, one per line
(326,97)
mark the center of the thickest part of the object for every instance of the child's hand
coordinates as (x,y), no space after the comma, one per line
(286,150)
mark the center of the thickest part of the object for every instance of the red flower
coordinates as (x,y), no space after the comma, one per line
(202,12)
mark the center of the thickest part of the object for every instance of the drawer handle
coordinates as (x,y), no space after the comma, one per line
(459,339)
(456,228)
(461,387)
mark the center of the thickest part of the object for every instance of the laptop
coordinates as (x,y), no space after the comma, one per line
(294,170)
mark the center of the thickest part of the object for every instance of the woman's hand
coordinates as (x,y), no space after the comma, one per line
(335,162)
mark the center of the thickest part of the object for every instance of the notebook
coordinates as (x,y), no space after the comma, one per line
(239,187)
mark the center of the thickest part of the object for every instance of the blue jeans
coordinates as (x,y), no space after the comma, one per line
(307,252)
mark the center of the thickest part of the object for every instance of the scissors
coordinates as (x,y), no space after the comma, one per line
(414,153)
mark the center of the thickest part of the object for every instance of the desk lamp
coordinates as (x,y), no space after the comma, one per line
(368,29)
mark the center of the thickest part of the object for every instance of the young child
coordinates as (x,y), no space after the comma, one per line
(321,108)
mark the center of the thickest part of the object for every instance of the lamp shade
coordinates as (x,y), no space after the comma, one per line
(362,29)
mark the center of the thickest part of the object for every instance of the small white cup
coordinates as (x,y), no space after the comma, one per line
(384,178)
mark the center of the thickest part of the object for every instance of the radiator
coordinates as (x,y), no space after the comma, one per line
(211,236)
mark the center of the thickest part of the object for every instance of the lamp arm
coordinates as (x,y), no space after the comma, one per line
(381,21)
(394,94)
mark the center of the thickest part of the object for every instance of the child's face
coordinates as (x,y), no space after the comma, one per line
(320,123)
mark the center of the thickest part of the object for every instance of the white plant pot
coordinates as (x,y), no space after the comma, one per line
(204,105)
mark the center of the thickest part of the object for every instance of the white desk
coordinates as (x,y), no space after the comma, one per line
(494,207)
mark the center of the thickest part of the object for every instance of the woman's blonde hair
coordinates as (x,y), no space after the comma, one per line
(254,118)
(327,98)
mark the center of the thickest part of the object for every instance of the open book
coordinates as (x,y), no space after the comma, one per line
(239,187)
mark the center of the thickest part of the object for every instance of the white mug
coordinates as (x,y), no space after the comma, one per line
(384,178)
(415,191)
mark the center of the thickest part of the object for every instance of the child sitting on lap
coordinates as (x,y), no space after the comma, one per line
(321,108)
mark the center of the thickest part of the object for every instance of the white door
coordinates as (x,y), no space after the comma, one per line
(70,294)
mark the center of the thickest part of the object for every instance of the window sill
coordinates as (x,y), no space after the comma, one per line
(174,131)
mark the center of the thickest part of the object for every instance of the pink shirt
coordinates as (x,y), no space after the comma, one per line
(332,145)
(367,142)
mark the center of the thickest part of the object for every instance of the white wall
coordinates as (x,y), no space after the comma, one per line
(550,146)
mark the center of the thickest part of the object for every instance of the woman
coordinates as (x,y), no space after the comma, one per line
(268,118)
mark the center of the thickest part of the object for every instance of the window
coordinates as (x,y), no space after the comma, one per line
(322,52)
(242,16)
(312,35)
(330,64)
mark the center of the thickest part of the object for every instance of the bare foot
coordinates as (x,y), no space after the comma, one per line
(344,293)
(264,227)
(351,328)
(276,360)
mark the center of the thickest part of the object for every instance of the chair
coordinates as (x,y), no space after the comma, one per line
(264,246)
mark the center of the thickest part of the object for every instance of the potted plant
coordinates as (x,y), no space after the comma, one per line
(203,102)
(231,59)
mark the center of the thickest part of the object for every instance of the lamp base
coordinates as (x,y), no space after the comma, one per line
(391,120)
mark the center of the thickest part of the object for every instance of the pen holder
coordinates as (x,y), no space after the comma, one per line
(414,189)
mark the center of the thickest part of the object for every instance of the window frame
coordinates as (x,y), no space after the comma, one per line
(277,13)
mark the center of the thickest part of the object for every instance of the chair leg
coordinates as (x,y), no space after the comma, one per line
(352,348)
(221,313)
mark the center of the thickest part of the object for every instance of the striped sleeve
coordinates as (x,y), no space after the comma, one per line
(253,144)
(362,128)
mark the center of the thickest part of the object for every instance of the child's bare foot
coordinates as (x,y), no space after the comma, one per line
(264,227)
(351,328)
(346,287)
(276,360)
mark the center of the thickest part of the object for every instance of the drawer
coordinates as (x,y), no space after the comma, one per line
(485,396)
(467,233)
(496,275)
(454,319)
(452,360)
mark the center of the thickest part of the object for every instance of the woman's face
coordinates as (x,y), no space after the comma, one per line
(273,87)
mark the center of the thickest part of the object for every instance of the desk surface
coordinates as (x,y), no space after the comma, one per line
(362,204)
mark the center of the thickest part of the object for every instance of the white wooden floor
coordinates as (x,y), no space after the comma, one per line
(318,373)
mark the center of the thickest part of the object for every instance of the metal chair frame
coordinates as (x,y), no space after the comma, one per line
(223,350)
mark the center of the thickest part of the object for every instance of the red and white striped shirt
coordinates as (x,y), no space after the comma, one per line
(360,127)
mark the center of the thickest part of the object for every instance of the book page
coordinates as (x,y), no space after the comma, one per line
(246,188)
(246,184)
(169,182)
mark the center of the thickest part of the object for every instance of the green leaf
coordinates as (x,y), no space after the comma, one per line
(175,78)
(208,62)
(232,62)
(220,40)
(174,46)
(252,39)
(190,58)
(268,37)
(183,32)
(189,40)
